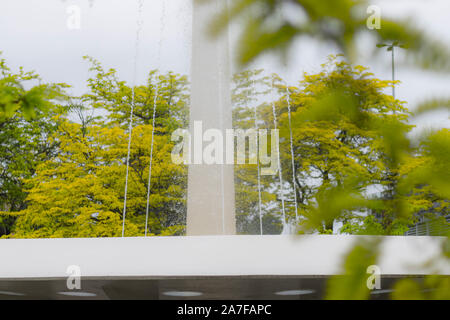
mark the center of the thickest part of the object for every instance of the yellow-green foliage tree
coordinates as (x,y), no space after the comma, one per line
(350,153)
(79,193)
(350,138)
(169,91)
(339,155)
(27,105)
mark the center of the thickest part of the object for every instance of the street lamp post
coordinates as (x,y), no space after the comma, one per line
(391,47)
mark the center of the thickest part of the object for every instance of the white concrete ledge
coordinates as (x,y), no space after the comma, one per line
(153,257)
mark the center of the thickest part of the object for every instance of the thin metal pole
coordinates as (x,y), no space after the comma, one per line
(393,71)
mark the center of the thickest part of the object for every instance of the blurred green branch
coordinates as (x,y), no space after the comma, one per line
(273,25)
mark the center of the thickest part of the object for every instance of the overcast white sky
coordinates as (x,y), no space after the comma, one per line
(33,34)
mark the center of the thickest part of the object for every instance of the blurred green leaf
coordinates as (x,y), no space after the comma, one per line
(351,284)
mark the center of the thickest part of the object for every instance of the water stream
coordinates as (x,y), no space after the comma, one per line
(139,23)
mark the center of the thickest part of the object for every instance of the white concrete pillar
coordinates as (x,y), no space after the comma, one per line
(210,204)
